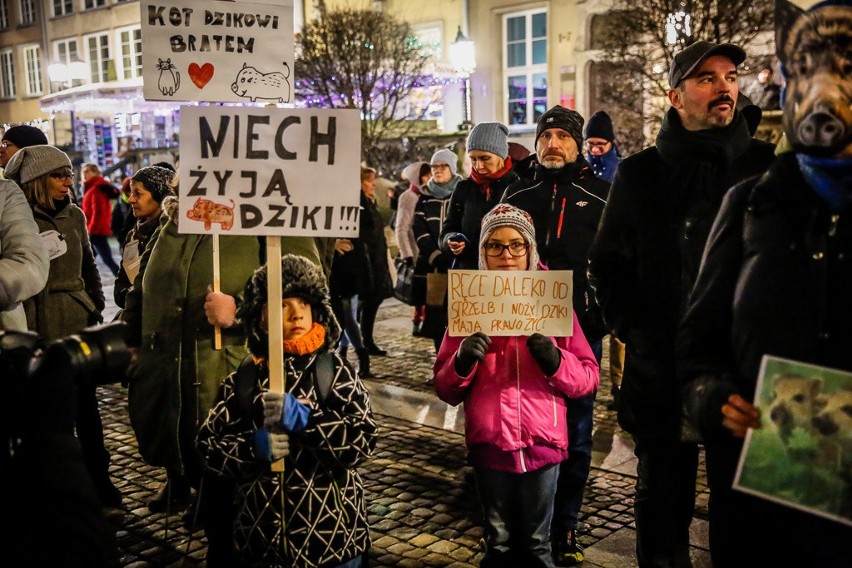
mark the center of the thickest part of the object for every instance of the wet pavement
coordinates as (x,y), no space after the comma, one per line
(422,510)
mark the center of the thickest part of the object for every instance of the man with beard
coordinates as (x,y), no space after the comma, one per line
(643,264)
(565,201)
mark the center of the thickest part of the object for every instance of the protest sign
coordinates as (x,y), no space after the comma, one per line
(270,171)
(801,455)
(510,302)
(194,50)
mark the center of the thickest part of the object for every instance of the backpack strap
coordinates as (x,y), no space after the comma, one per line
(245,380)
(324,374)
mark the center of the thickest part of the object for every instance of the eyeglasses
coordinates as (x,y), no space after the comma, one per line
(515,248)
(440,167)
(63,176)
(596,144)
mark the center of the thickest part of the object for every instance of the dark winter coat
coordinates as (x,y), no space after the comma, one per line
(645,258)
(468,205)
(365,269)
(325,514)
(122,220)
(776,280)
(73,297)
(141,234)
(566,207)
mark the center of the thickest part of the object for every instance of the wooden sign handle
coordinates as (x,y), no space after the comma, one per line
(275,319)
(217,286)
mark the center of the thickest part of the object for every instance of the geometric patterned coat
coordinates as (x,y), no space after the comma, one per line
(325,519)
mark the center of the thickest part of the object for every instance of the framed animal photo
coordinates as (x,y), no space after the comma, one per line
(801,456)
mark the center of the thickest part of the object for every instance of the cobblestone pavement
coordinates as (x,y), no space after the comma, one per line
(422,511)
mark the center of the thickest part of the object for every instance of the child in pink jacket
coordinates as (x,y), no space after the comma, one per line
(515,391)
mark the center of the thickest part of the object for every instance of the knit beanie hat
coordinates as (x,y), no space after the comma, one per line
(411,173)
(35,161)
(600,126)
(156,180)
(300,278)
(505,215)
(25,135)
(489,137)
(446,156)
(560,117)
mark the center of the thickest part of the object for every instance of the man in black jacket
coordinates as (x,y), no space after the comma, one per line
(643,264)
(566,201)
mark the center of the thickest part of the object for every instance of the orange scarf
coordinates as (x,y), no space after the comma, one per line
(306,344)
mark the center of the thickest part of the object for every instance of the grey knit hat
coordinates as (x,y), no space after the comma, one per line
(35,161)
(156,180)
(489,137)
(446,156)
(505,215)
(300,278)
(564,118)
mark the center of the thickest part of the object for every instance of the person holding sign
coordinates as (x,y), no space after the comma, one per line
(148,187)
(171,311)
(322,427)
(515,448)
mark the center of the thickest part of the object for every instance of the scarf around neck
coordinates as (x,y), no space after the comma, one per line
(700,159)
(442,190)
(830,178)
(308,343)
(603,166)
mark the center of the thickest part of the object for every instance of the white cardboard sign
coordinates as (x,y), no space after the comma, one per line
(270,171)
(509,302)
(194,50)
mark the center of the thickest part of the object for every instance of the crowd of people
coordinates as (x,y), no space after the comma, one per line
(691,283)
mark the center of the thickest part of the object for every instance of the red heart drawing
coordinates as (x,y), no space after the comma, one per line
(200,75)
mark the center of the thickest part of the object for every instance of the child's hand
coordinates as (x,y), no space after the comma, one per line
(284,411)
(472,349)
(545,353)
(271,446)
(273,409)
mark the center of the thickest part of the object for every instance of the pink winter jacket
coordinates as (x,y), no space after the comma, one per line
(511,405)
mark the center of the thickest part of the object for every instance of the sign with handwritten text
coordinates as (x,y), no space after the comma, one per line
(270,171)
(197,50)
(509,302)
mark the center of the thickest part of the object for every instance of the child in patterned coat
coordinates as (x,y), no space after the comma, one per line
(322,436)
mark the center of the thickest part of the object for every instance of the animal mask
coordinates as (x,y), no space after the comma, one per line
(815,50)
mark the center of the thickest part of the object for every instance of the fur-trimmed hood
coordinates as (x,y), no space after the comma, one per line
(300,278)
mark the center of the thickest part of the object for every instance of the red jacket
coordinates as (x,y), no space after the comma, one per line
(96,205)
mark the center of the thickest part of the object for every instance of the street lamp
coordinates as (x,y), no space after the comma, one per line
(464,60)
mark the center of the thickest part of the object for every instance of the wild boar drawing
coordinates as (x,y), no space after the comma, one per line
(210,212)
(252,84)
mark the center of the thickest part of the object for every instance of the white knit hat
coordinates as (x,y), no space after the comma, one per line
(35,161)
(505,215)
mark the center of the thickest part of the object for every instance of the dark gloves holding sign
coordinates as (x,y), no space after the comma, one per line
(471,350)
(545,353)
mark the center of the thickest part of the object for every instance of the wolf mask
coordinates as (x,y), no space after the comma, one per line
(815,50)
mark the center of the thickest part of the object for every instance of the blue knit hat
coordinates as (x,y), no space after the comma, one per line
(489,137)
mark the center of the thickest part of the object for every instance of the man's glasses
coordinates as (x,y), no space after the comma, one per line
(600,145)
(515,248)
(62,176)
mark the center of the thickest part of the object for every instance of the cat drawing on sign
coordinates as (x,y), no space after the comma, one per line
(209,212)
(252,84)
(169,81)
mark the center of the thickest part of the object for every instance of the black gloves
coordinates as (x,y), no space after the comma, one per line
(471,350)
(544,352)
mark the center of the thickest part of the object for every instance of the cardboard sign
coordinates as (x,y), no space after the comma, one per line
(510,302)
(270,171)
(194,50)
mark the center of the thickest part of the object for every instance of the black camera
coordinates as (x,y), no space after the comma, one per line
(40,378)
